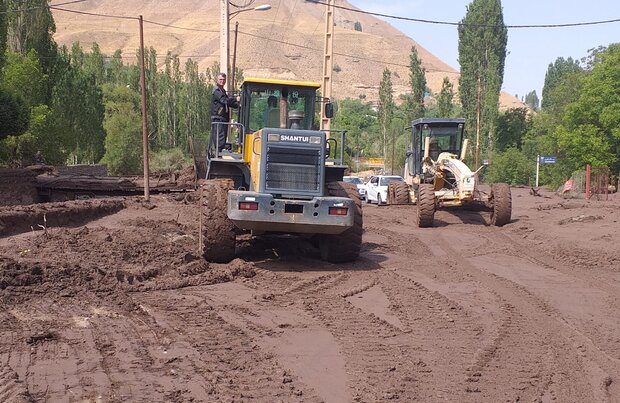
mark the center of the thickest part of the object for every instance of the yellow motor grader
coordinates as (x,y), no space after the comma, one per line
(280,175)
(436,175)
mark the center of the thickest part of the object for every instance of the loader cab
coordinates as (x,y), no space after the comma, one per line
(446,135)
(267,103)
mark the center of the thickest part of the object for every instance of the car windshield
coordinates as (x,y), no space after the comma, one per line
(387,179)
(354,179)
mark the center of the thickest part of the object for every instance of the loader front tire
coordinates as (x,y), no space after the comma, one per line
(217,231)
(426,205)
(344,247)
(501,201)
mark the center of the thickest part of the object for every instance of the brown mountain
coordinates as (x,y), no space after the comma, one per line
(284,42)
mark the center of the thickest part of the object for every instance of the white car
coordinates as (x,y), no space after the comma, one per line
(377,186)
(357,181)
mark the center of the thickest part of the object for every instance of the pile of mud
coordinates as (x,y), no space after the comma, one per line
(143,254)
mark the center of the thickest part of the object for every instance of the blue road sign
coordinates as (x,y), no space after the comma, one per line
(548,159)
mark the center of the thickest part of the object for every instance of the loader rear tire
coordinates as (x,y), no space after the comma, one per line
(344,247)
(426,205)
(501,200)
(401,193)
(218,232)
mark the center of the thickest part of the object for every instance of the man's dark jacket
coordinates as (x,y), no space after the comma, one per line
(221,104)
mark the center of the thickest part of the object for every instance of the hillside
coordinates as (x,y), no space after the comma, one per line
(284,42)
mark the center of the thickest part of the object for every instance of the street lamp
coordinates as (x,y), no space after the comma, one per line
(225,17)
(263,7)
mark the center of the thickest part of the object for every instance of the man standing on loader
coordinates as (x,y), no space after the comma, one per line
(220,113)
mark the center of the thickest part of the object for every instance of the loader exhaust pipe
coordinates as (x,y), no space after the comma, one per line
(427,145)
(464,150)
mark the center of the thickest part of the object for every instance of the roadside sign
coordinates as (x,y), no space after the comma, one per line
(547,159)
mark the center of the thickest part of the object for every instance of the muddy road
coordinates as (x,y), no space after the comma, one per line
(121,308)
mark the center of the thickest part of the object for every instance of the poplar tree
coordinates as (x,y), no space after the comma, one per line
(482,54)
(3,32)
(32,28)
(386,109)
(558,73)
(444,99)
(531,99)
(417,84)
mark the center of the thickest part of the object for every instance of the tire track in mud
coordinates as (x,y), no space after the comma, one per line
(231,365)
(608,346)
(12,389)
(508,339)
(375,357)
(531,312)
(384,361)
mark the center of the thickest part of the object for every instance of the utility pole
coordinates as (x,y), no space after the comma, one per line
(224,45)
(328,61)
(478,123)
(145,129)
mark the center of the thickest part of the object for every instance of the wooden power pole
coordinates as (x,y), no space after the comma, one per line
(145,128)
(328,61)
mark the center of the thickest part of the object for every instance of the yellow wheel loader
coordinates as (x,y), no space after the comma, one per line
(436,175)
(279,175)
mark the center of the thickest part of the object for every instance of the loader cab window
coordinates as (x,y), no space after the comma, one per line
(267,101)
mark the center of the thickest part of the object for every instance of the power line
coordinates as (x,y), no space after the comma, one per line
(94,14)
(396,17)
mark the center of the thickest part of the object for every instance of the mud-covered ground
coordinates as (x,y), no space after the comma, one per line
(119,307)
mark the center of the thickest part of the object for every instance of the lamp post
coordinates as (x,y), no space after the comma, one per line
(225,17)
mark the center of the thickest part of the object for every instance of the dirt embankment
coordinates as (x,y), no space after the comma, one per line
(122,308)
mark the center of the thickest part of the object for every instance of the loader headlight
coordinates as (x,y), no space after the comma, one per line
(273,137)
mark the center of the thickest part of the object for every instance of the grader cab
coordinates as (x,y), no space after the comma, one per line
(279,175)
(437,176)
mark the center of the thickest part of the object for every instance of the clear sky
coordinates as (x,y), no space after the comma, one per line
(530,50)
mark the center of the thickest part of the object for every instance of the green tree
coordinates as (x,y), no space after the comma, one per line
(360,121)
(444,99)
(13,114)
(3,33)
(123,126)
(482,53)
(24,77)
(386,110)
(357,26)
(417,86)
(511,127)
(95,65)
(115,72)
(590,133)
(531,99)
(77,104)
(555,77)
(31,26)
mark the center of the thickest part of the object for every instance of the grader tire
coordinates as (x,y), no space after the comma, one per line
(344,247)
(218,232)
(502,204)
(401,193)
(391,193)
(426,205)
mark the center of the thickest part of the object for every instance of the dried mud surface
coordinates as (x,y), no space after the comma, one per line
(116,305)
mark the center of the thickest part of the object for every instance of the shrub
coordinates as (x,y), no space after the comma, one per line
(510,166)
